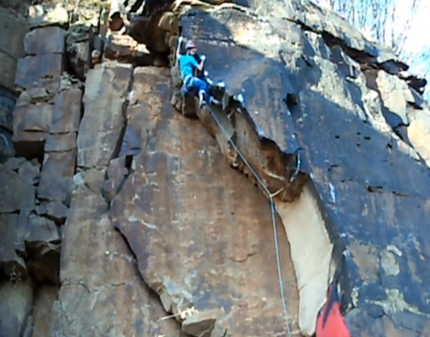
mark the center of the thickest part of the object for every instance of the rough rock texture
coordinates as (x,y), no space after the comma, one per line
(163,228)
(222,242)
(361,170)
(13,27)
(102,277)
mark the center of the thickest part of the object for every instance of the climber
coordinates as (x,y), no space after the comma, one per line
(192,73)
(330,322)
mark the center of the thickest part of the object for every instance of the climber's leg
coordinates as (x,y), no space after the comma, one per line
(184,90)
(201,89)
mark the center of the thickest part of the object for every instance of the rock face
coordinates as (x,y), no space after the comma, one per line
(126,210)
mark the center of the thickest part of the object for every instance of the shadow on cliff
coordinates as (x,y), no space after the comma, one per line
(361,177)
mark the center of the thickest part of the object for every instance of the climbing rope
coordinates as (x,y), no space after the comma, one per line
(274,222)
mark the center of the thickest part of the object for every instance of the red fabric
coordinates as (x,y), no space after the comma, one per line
(330,322)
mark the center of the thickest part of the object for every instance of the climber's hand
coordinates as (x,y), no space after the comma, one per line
(202,58)
(180,40)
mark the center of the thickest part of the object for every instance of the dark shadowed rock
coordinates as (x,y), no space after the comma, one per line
(124,48)
(42,243)
(42,310)
(16,300)
(79,43)
(11,264)
(20,194)
(369,182)
(7,149)
(7,105)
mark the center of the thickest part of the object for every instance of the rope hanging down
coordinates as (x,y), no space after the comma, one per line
(274,222)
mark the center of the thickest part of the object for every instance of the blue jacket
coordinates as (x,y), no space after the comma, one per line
(187,65)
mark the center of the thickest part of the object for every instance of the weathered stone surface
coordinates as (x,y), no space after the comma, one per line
(418,133)
(16,300)
(394,94)
(7,105)
(14,163)
(182,170)
(11,264)
(101,290)
(42,311)
(250,84)
(20,194)
(41,70)
(7,149)
(140,125)
(47,14)
(13,27)
(124,48)
(363,175)
(32,122)
(79,40)
(9,65)
(67,111)
(30,171)
(104,99)
(45,40)
(42,243)
(56,181)
(116,174)
(321,20)
(60,142)
(54,210)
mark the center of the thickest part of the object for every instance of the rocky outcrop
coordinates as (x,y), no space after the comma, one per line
(129,211)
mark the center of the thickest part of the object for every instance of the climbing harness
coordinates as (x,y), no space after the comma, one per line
(273,212)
